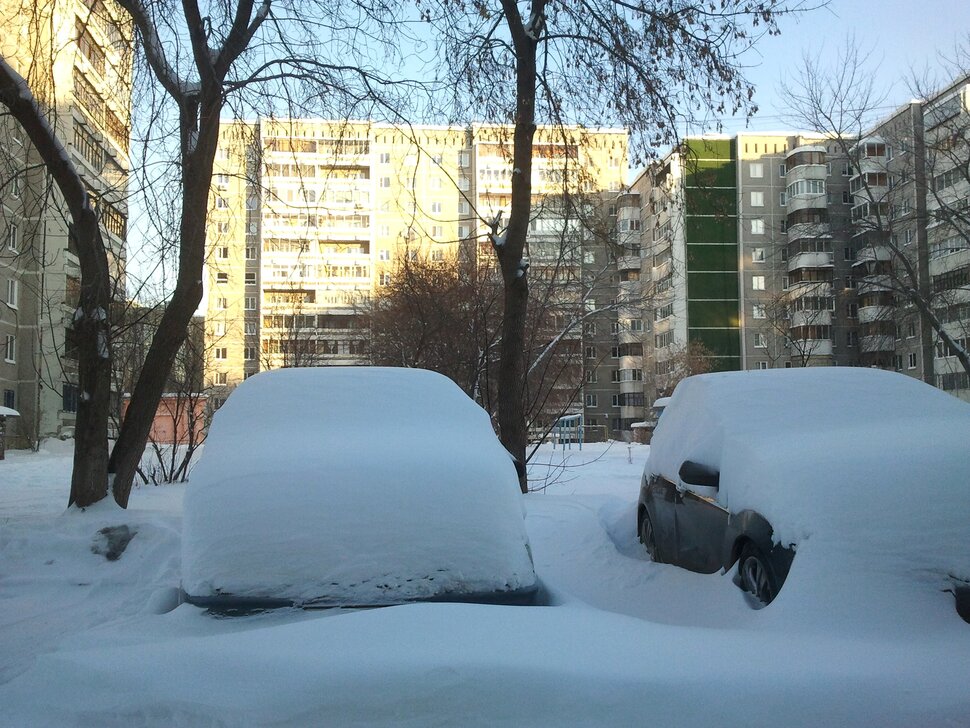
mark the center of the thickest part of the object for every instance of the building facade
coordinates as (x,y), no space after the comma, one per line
(76,59)
(309,219)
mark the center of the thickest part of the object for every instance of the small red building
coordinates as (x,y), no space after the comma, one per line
(177,416)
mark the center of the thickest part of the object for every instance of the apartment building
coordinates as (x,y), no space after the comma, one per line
(781,250)
(744,261)
(310,217)
(76,59)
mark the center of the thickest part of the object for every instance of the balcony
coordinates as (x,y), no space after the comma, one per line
(813,347)
(811,318)
(810,260)
(628,262)
(868,314)
(808,230)
(878,343)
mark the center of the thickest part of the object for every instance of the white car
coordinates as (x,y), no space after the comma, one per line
(352,486)
(828,475)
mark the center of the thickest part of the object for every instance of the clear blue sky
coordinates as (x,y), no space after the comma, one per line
(901,35)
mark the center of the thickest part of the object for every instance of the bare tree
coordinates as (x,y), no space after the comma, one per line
(203,58)
(646,66)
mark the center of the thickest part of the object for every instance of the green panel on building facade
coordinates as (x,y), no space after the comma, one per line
(720,229)
(718,286)
(709,173)
(709,149)
(717,201)
(712,257)
(720,342)
(713,314)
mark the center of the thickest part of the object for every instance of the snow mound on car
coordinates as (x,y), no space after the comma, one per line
(291,502)
(867,468)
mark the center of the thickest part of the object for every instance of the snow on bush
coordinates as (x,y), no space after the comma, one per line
(353,486)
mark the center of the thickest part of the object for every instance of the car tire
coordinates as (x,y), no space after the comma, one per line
(755,574)
(647,537)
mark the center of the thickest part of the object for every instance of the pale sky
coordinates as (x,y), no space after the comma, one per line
(900,34)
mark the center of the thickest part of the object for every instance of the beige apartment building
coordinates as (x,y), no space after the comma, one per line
(76,59)
(310,217)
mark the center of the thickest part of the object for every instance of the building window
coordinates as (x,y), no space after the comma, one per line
(384,182)
(222,378)
(591,400)
(385,158)
(591,377)
(761,365)
(590,352)
(783,198)
(853,310)
(249,353)
(13,290)
(757,226)
(10,349)
(589,329)
(250,253)
(250,303)
(757,199)
(222,277)
(69,397)
(220,353)
(437,231)
(383,254)
(615,376)
(760,341)
(614,352)
(785,283)
(757,283)
(437,255)
(221,203)
(463,159)
(12,237)
(782,170)
(757,255)
(756,170)
(384,279)
(436,208)
(219,328)
(758,311)
(250,279)
(911,361)
(10,399)
(250,328)
(464,184)
(222,252)
(463,208)
(846,197)
(851,338)
(615,400)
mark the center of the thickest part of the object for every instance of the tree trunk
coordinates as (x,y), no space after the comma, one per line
(89,481)
(89,478)
(200,136)
(512,364)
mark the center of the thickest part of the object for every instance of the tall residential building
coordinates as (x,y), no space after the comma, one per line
(744,262)
(310,217)
(76,59)
(781,250)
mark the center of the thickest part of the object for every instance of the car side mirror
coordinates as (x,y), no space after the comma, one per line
(696,474)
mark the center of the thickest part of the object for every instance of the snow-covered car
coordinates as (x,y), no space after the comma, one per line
(785,472)
(352,486)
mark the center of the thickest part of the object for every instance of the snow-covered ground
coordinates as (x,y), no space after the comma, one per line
(88,641)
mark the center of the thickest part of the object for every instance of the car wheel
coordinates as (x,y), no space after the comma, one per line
(755,574)
(647,538)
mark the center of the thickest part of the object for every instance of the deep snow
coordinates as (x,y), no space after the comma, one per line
(87,641)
